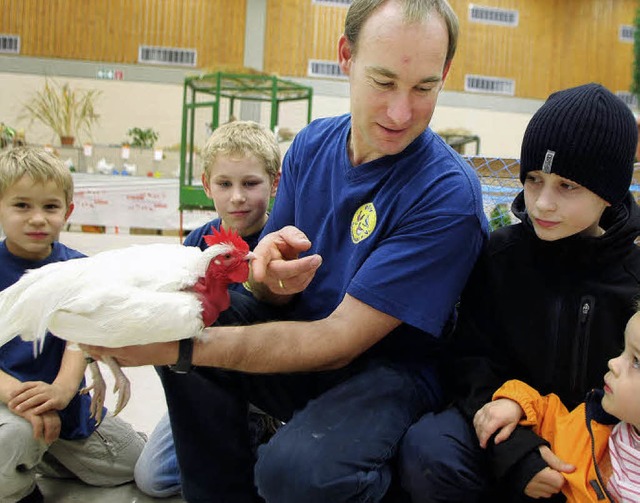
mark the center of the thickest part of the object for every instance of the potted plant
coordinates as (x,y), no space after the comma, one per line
(67,111)
(142,138)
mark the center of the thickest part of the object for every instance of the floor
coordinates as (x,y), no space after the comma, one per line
(144,409)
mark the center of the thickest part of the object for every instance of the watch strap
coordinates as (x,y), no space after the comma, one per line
(185,357)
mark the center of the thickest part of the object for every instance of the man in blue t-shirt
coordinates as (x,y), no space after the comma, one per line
(375,228)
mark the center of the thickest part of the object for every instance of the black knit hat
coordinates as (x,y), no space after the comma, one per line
(586,134)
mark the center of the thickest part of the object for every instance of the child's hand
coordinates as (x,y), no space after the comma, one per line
(45,426)
(39,397)
(502,414)
(550,480)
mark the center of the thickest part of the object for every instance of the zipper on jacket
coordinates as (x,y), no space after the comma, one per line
(580,349)
(599,485)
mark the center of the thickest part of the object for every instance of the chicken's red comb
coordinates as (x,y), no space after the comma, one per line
(229,236)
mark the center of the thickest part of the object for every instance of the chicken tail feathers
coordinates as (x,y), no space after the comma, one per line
(20,313)
(8,328)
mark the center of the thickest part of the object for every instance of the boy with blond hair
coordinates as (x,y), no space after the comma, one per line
(241,163)
(241,171)
(45,424)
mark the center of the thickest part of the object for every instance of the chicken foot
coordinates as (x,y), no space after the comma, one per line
(121,385)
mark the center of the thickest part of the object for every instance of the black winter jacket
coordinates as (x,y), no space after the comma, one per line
(548,313)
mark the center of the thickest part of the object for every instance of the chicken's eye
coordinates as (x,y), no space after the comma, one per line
(227,256)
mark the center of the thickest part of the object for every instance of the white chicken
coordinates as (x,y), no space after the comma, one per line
(128,296)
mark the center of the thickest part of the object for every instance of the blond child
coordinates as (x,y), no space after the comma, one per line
(605,458)
(45,424)
(241,173)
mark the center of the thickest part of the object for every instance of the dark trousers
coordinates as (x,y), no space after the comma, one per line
(341,434)
(440,460)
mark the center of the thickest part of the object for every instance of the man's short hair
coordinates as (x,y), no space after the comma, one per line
(414,11)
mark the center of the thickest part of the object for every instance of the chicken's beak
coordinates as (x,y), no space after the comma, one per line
(249,256)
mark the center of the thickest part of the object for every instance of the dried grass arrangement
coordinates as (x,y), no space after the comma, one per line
(67,111)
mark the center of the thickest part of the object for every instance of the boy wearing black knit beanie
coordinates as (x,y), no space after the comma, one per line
(547,304)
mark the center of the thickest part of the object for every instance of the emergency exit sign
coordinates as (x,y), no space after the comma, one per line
(110,74)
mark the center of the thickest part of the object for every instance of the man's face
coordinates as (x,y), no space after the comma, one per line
(395,77)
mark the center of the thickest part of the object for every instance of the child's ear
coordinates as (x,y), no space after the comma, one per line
(205,184)
(274,184)
(69,211)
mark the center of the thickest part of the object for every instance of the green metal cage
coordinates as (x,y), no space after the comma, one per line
(207,91)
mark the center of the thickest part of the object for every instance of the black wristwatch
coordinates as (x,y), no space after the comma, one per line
(185,356)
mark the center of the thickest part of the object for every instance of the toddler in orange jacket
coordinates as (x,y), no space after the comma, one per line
(605,456)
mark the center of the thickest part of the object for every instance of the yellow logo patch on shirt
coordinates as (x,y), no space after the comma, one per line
(363,223)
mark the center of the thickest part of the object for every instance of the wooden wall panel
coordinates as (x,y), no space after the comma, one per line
(112,30)
(298,30)
(287,47)
(557,43)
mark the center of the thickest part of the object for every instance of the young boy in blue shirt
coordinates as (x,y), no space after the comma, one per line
(241,173)
(45,424)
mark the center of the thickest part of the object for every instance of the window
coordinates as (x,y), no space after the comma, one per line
(9,44)
(626,33)
(493,15)
(490,85)
(338,3)
(167,56)
(320,68)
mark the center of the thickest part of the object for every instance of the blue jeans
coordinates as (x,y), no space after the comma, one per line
(157,473)
(440,460)
(341,434)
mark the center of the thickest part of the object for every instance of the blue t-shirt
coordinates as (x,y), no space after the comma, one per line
(196,238)
(16,356)
(400,233)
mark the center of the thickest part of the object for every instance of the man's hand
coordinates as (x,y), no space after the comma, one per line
(502,414)
(549,481)
(38,397)
(157,353)
(277,265)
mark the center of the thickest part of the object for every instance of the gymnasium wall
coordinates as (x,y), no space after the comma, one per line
(556,44)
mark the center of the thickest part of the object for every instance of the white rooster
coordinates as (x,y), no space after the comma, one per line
(128,296)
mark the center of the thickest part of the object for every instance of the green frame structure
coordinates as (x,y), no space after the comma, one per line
(234,87)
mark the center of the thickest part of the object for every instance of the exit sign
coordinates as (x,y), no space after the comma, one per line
(110,74)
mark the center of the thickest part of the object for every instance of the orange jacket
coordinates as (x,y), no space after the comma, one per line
(569,437)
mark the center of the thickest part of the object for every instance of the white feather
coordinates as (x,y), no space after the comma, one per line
(115,298)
